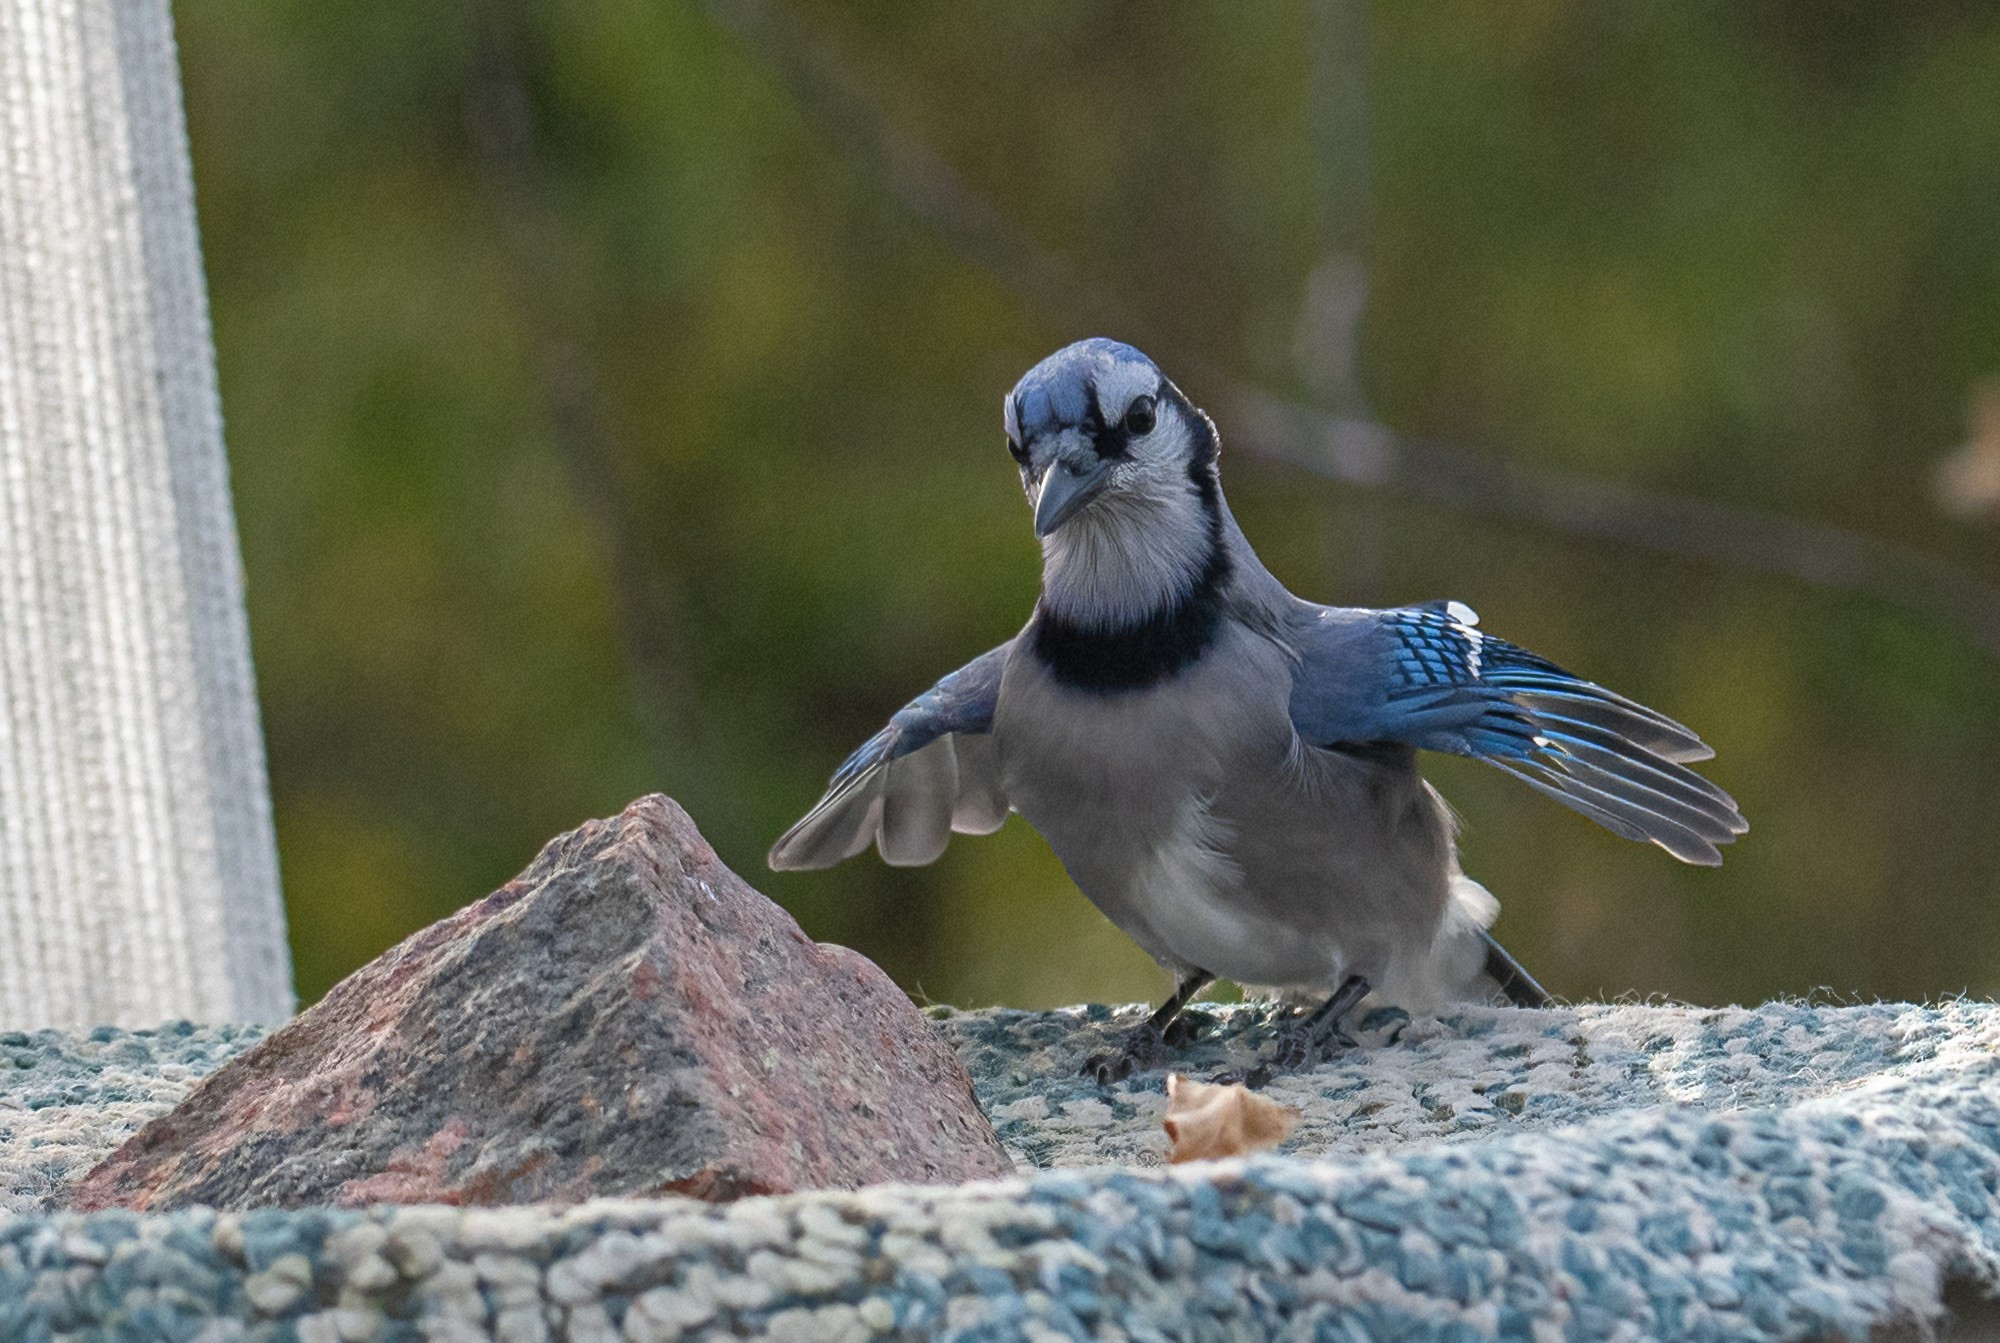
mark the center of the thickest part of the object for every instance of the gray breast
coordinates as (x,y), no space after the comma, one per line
(1192,816)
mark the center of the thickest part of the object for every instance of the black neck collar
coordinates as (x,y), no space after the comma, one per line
(1152,650)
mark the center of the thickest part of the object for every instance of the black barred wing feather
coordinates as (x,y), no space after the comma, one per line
(1429,677)
(931,771)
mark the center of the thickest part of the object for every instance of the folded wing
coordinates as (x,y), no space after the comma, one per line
(931,771)
(1427,676)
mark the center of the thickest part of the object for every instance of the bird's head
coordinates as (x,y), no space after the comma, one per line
(1097,422)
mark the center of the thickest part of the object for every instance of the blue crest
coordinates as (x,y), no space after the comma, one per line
(1057,391)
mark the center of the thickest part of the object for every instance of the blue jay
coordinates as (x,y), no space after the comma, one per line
(1227,771)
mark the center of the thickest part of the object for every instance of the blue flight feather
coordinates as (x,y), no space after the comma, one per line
(1427,676)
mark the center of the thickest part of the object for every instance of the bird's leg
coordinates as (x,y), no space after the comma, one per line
(1145,1046)
(1174,1026)
(1316,1038)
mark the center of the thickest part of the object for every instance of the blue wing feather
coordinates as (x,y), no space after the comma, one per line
(908,809)
(1427,676)
(961,702)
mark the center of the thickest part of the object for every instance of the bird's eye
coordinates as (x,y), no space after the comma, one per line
(1017,452)
(1139,418)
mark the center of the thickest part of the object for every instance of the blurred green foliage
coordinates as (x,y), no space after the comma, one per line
(599,427)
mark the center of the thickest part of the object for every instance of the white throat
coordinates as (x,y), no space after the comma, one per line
(1135,550)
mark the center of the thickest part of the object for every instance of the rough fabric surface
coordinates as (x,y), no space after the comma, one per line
(626,1017)
(138,866)
(1482,1071)
(68,1100)
(1786,1172)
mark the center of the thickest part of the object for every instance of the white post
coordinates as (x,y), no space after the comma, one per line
(138,867)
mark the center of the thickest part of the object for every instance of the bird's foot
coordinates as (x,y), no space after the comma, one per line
(1307,1041)
(1303,1044)
(1385,1025)
(1184,1030)
(1147,1045)
(1144,1048)
(1298,1049)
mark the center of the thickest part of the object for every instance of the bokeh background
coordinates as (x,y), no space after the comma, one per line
(613,394)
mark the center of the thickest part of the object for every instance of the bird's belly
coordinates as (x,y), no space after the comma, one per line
(1186,820)
(1248,894)
(1191,899)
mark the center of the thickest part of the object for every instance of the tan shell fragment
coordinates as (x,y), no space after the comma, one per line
(1205,1122)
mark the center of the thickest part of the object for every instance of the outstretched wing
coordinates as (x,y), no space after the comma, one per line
(931,771)
(1427,676)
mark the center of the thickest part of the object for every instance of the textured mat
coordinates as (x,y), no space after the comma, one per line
(1786,1172)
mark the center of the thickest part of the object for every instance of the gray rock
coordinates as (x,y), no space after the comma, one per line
(626,1017)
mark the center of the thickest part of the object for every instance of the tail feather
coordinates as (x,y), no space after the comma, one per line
(1520,987)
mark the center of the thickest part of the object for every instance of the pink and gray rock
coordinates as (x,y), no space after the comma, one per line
(626,1017)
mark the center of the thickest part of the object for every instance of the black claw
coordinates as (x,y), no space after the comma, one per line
(1293,1051)
(1183,1030)
(1306,1042)
(1146,1046)
(1143,1049)
(1299,1047)
(1385,1018)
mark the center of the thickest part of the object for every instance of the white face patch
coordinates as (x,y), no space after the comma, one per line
(1138,545)
(1144,537)
(1121,384)
(1156,463)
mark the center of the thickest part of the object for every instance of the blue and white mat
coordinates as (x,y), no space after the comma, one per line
(1784,1172)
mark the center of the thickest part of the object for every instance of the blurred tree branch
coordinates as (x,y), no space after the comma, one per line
(1326,345)
(1366,453)
(923,183)
(1352,449)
